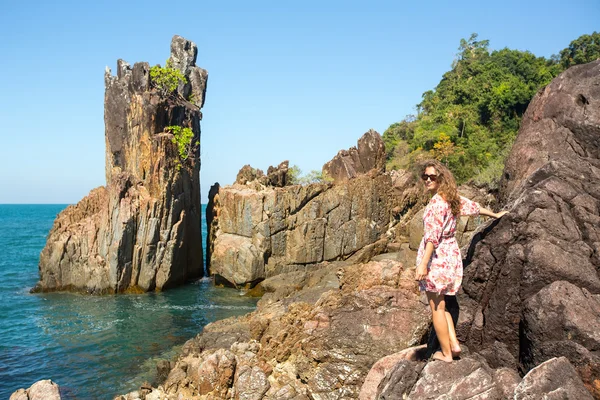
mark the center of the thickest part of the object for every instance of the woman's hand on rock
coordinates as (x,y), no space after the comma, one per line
(500,214)
(421,272)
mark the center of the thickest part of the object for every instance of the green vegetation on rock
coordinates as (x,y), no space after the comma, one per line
(470,120)
(295,177)
(182,137)
(166,79)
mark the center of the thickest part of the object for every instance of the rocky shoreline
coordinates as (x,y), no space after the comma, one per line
(340,316)
(530,307)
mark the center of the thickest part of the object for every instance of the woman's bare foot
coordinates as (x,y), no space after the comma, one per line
(438,355)
(456,350)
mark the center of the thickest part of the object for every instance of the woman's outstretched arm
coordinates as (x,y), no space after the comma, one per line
(488,213)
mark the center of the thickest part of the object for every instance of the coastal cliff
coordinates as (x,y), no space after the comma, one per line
(530,307)
(141,232)
(260,226)
(532,289)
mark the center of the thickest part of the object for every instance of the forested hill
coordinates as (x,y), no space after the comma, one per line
(470,120)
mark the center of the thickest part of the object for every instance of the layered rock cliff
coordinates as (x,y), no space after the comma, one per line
(141,231)
(258,230)
(260,226)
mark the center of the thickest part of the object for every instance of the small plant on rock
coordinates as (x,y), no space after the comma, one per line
(182,137)
(166,79)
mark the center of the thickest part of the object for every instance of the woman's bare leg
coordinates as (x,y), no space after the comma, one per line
(454,345)
(440,324)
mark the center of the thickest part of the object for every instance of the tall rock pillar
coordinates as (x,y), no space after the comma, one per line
(142,231)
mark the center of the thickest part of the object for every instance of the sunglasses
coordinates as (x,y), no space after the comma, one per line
(432,177)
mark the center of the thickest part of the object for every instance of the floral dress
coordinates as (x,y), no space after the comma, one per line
(445,270)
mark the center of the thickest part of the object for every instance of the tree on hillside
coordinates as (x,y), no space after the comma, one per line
(582,50)
(471,118)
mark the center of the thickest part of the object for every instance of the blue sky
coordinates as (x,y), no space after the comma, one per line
(287,80)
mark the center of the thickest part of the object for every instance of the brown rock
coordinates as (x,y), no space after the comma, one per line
(552,187)
(141,231)
(348,164)
(215,373)
(399,381)
(563,320)
(560,124)
(257,234)
(248,174)
(277,176)
(463,379)
(318,341)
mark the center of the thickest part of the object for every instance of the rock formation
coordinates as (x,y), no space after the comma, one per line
(530,310)
(142,231)
(369,154)
(532,290)
(472,378)
(314,342)
(259,227)
(258,231)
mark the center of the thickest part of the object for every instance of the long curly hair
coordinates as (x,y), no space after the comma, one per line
(446,184)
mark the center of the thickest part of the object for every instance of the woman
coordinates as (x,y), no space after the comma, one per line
(439,264)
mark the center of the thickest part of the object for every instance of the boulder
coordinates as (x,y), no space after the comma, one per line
(141,231)
(41,390)
(552,379)
(407,371)
(463,379)
(548,245)
(468,378)
(563,320)
(277,176)
(248,174)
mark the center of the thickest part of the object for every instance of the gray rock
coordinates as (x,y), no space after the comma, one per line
(553,379)
(41,390)
(255,234)
(562,320)
(398,383)
(467,378)
(183,58)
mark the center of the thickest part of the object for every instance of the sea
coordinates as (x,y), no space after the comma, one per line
(93,347)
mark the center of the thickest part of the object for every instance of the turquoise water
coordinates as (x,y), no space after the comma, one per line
(93,347)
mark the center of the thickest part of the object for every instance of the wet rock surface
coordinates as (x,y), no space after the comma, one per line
(141,231)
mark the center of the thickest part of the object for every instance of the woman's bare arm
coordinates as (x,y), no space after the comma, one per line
(421,271)
(488,213)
